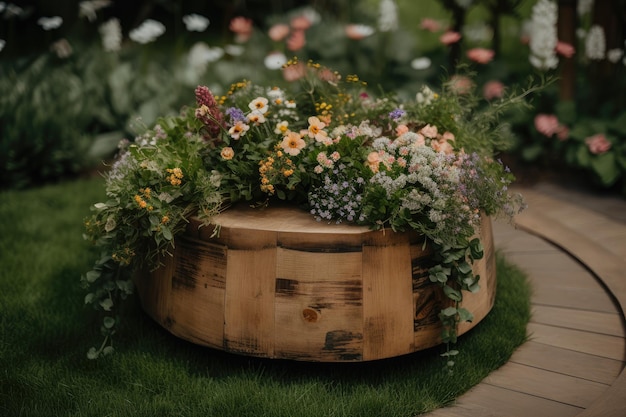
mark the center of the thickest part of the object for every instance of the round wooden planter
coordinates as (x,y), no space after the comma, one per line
(278,284)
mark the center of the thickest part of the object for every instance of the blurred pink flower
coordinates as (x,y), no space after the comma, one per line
(565,49)
(493,89)
(449,37)
(460,84)
(278,32)
(294,72)
(480,55)
(546,124)
(242,27)
(358,32)
(300,23)
(598,144)
(562,133)
(430,25)
(296,40)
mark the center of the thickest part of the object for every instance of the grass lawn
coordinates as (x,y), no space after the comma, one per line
(45,332)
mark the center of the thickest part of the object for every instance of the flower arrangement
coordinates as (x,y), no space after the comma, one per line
(324,144)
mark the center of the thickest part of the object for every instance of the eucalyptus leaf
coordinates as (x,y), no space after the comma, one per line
(92,275)
(109,322)
(465,315)
(92,353)
(453,294)
(106,304)
(449,312)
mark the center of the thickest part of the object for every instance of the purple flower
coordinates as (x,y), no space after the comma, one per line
(396,114)
(236,115)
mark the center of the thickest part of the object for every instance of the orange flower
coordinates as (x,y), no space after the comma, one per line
(292,143)
(227,153)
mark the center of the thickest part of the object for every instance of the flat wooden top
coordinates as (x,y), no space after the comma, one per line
(282,218)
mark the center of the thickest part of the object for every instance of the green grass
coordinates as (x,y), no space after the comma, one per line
(45,332)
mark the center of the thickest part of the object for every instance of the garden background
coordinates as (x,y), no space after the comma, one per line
(76,77)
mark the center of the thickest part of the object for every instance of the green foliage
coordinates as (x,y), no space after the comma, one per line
(152,191)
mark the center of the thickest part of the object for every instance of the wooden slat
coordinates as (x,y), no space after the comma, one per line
(249,299)
(319,312)
(387,301)
(568,362)
(570,318)
(546,384)
(611,347)
(197,293)
(487,400)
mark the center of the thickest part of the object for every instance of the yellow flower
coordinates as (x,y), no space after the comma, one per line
(288,172)
(282,127)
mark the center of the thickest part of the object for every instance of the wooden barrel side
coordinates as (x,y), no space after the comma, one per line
(281,285)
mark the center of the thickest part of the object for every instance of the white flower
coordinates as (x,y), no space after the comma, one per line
(147,32)
(388,16)
(275,60)
(421,63)
(584,7)
(478,32)
(201,54)
(543,38)
(2,43)
(88,9)
(595,44)
(111,34)
(12,10)
(62,48)
(195,22)
(311,14)
(49,23)
(464,4)
(234,50)
(425,96)
(614,55)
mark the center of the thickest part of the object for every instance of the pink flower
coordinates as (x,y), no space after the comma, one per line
(300,23)
(562,133)
(430,25)
(480,55)
(460,84)
(493,89)
(449,37)
(546,124)
(598,144)
(565,49)
(296,41)
(242,27)
(294,72)
(278,32)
